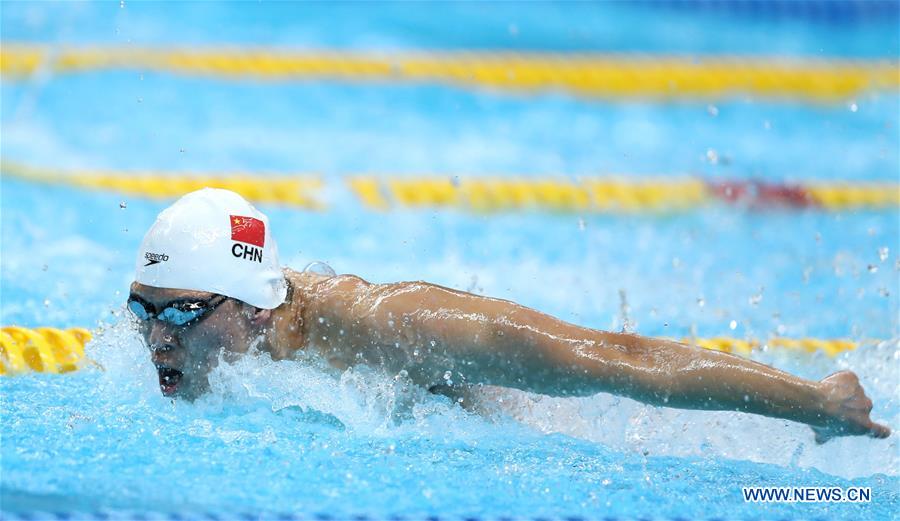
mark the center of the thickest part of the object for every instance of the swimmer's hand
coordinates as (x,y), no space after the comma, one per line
(848,408)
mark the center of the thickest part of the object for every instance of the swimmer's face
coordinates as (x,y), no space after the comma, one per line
(185,354)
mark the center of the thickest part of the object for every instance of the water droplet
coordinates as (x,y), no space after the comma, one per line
(732,325)
(140,100)
(447,375)
(884,292)
(712,156)
(712,110)
(44,267)
(321,320)
(581,224)
(701,302)
(780,329)
(883,253)
(46,303)
(873,268)
(391,324)
(341,332)
(853,106)
(123,205)
(121,4)
(756,299)
(746,397)
(319,268)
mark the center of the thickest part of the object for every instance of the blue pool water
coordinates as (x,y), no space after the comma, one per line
(297,437)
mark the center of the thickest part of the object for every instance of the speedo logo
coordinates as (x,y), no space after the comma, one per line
(155,258)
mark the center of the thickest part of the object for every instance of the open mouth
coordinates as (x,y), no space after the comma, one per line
(168,379)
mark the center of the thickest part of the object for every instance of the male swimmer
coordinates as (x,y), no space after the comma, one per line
(208,282)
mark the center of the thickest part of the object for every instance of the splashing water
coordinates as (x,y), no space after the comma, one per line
(328,441)
(364,401)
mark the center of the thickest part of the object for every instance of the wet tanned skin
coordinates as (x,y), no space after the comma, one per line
(428,330)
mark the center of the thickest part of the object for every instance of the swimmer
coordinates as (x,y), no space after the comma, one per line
(208,281)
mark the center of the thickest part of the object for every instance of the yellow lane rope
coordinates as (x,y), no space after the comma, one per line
(831,347)
(612,194)
(43,349)
(495,194)
(486,193)
(52,350)
(297,190)
(835,196)
(608,76)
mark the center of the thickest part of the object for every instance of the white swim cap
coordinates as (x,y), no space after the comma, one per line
(213,240)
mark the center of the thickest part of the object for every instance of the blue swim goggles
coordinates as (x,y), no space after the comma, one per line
(179,313)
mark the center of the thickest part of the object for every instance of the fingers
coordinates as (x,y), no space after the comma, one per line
(877,430)
(851,409)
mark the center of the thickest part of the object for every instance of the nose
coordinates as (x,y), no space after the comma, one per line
(161,341)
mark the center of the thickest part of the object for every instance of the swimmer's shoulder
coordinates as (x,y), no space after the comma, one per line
(310,294)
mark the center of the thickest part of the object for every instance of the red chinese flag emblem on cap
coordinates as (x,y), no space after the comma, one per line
(249,230)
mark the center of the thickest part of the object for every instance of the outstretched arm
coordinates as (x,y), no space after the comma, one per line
(497,342)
